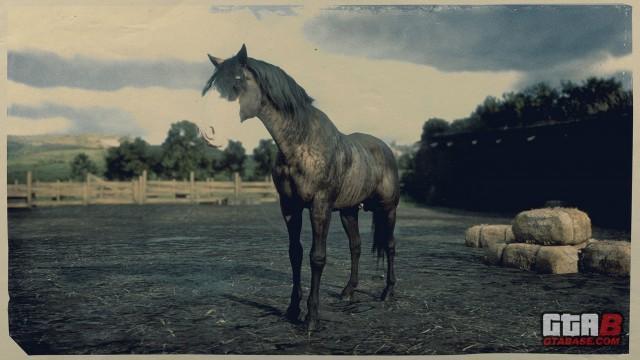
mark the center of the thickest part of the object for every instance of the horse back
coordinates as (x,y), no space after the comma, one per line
(378,149)
(372,169)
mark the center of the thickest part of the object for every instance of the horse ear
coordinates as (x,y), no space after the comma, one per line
(242,55)
(214,60)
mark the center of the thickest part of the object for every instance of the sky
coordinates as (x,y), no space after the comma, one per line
(384,70)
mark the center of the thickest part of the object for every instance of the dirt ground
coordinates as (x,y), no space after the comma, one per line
(216,279)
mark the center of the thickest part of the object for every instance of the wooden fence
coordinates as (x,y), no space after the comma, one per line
(139,191)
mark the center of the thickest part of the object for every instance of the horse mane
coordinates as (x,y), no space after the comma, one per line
(280,88)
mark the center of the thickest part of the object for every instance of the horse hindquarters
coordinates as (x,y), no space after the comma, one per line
(384,221)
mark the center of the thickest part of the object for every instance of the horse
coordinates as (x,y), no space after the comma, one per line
(317,168)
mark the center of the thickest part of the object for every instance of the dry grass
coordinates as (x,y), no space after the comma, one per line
(203,279)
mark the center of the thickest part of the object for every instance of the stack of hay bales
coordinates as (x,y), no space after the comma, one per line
(551,241)
(548,239)
(493,238)
(481,236)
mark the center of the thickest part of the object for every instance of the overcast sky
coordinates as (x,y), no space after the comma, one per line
(134,70)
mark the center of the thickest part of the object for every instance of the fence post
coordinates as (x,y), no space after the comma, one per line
(29,188)
(134,186)
(143,187)
(192,187)
(145,178)
(236,186)
(139,189)
(58,191)
(144,181)
(85,191)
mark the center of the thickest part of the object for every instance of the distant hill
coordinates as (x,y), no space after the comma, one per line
(49,156)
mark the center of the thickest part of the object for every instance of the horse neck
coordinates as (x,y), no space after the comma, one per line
(288,133)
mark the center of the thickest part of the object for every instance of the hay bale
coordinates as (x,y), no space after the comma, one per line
(583,245)
(472,236)
(607,257)
(557,260)
(557,226)
(493,253)
(493,234)
(483,235)
(520,256)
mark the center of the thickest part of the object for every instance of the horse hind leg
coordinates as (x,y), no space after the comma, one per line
(349,218)
(384,222)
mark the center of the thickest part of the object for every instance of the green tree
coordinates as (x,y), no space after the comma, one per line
(265,156)
(470,123)
(130,159)
(513,105)
(81,166)
(434,126)
(426,173)
(489,107)
(593,96)
(233,157)
(541,104)
(184,151)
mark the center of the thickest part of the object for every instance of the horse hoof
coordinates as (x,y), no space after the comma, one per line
(348,298)
(387,294)
(312,325)
(347,294)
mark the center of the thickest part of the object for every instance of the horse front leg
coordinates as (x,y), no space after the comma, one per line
(349,218)
(293,218)
(320,214)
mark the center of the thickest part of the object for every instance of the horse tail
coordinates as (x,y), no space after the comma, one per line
(380,234)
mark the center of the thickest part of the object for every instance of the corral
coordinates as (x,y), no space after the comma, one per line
(215,279)
(140,190)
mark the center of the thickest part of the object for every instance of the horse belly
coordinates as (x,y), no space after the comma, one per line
(347,200)
(358,185)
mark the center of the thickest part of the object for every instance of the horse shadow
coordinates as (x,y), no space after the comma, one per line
(267,310)
(363,303)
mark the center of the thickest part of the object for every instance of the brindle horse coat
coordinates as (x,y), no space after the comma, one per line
(317,168)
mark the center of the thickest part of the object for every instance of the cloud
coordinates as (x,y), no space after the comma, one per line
(258,10)
(22,126)
(476,38)
(99,120)
(579,70)
(47,69)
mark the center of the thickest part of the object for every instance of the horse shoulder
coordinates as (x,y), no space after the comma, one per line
(294,179)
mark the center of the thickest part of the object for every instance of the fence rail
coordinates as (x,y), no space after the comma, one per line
(95,190)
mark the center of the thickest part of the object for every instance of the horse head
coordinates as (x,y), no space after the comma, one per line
(234,80)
